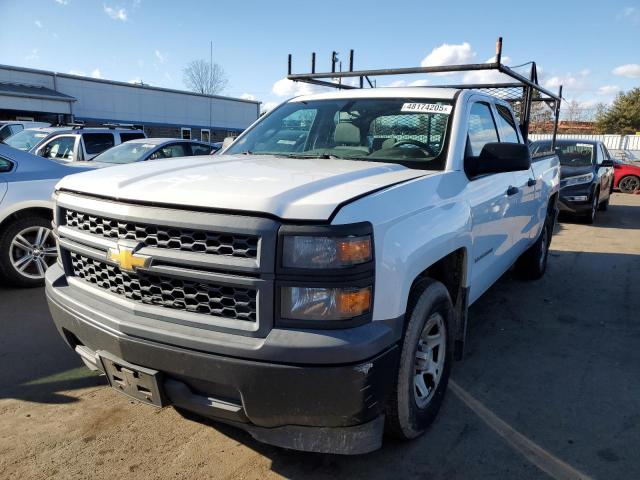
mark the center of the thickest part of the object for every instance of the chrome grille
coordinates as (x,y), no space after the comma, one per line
(169,292)
(175,238)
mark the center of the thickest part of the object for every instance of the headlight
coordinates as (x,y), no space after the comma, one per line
(578,179)
(320,303)
(301,251)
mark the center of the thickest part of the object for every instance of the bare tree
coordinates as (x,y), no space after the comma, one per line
(202,77)
(573,111)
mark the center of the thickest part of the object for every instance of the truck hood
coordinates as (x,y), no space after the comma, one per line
(288,188)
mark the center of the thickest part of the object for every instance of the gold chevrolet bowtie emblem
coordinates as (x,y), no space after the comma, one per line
(127,259)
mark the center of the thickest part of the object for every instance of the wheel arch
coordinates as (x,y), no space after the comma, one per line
(451,270)
(26,212)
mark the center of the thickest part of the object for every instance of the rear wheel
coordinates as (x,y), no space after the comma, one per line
(425,361)
(27,250)
(629,184)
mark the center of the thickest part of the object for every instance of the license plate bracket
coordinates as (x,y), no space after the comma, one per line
(134,381)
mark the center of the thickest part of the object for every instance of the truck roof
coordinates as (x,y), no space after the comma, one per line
(383,92)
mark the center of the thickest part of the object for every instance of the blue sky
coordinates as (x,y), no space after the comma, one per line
(589,46)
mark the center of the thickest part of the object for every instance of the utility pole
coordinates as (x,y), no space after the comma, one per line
(210,83)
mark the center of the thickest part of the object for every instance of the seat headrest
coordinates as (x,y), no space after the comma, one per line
(347,134)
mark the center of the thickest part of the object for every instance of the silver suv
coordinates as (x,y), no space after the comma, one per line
(72,144)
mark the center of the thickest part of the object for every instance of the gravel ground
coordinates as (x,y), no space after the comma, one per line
(550,388)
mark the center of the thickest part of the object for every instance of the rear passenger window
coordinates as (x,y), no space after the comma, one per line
(506,125)
(97,142)
(125,137)
(198,149)
(5,165)
(482,128)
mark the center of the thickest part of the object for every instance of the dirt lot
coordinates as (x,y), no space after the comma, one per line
(550,388)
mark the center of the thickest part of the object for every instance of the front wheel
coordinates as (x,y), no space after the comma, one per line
(425,361)
(27,249)
(591,216)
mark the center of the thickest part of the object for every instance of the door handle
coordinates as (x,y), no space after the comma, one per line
(512,190)
(531,182)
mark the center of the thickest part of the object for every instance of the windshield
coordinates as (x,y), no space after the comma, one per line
(399,130)
(125,153)
(571,154)
(26,139)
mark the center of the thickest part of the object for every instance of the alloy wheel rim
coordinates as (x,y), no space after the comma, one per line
(429,360)
(629,184)
(32,251)
(594,207)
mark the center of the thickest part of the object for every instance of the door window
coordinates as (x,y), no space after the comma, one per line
(506,125)
(169,151)
(125,137)
(5,165)
(199,149)
(60,148)
(482,128)
(95,143)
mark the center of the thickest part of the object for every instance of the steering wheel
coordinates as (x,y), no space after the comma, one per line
(416,143)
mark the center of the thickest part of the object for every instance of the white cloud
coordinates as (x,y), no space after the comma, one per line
(449,54)
(404,83)
(96,73)
(62,2)
(267,106)
(79,73)
(38,23)
(568,81)
(247,96)
(34,55)
(608,90)
(630,70)
(487,76)
(288,88)
(161,58)
(117,13)
(137,80)
(630,14)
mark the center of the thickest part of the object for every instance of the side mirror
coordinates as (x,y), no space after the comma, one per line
(607,163)
(227,141)
(498,157)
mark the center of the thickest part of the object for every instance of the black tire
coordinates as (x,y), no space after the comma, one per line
(532,264)
(590,217)
(629,184)
(604,206)
(9,275)
(405,419)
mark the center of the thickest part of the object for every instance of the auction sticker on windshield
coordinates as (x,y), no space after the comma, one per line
(426,108)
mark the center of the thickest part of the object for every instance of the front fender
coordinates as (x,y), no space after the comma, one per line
(415,225)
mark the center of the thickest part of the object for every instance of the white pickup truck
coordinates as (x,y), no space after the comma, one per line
(311,284)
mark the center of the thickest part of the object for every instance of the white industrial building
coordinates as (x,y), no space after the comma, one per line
(29,94)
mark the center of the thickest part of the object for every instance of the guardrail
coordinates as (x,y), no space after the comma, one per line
(625,147)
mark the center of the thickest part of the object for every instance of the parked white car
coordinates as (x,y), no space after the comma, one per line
(11,127)
(311,283)
(69,144)
(27,246)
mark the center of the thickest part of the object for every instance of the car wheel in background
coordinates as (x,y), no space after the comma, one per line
(425,361)
(532,264)
(591,216)
(27,249)
(629,184)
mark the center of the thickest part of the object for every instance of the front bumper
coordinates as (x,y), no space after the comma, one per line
(576,199)
(322,407)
